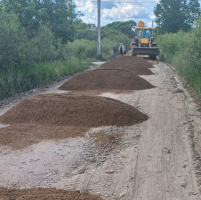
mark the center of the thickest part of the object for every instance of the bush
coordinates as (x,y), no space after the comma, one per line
(87,49)
(17,49)
(41,47)
(183,50)
(100,57)
(26,63)
(82,49)
(12,40)
(193,50)
(171,44)
(86,33)
(115,36)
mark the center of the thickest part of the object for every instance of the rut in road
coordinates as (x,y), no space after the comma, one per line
(160,165)
(157,166)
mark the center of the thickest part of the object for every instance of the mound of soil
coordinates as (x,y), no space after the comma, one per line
(132,64)
(134,60)
(44,194)
(72,110)
(19,136)
(106,79)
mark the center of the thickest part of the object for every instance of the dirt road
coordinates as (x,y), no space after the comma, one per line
(154,161)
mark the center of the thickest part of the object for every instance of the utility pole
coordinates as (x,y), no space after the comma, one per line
(98,28)
(67,3)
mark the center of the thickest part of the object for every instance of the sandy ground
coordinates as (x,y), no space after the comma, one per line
(156,160)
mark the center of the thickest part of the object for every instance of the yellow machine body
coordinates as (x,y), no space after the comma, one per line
(142,41)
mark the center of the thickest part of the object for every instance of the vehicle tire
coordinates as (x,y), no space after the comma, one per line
(133,53)
(153,57)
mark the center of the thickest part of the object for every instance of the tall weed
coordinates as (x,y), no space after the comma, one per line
(183,50)
(86,49)
(20,79)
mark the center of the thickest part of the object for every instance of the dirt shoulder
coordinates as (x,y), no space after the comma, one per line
(155,160)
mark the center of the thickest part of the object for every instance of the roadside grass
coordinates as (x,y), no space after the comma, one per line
(23,78)
(183,50)
(193,77)
(191,74)
(87,50)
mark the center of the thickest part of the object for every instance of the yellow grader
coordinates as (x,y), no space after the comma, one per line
(143,42)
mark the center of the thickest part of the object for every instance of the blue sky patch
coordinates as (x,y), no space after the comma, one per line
(107,5)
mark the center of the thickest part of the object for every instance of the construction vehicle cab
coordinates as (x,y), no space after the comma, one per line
(142,42)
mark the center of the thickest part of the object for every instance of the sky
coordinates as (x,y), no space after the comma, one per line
(117,10)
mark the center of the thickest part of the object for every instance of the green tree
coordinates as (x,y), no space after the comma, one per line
(41,47)
(85,31)
(24,9)
(79,24)
(115,36)
(12,40)
(53,13)
(89,34)
(175,15)
(123,27)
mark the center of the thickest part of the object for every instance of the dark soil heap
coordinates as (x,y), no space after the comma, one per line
(134,60)
(44,194)
(19,136)
(72,110)
(107,80)
(60,116)
(136,65)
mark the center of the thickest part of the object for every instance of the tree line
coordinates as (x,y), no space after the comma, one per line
(32,13)
(34,31)
(175,15)
(44,40)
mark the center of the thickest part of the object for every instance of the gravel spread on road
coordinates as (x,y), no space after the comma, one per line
(44,194)
(136,65)
(106,79)
(59,116)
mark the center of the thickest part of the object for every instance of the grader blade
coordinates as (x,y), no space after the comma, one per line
(151,51)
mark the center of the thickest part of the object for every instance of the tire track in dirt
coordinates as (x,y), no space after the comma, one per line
(158,165)
(161,156)
(164,167)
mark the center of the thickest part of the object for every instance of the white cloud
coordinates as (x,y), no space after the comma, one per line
(121,11)
(87,7)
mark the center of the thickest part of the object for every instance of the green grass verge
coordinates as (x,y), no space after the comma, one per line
(193,77)
(21,78)
(183,50)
